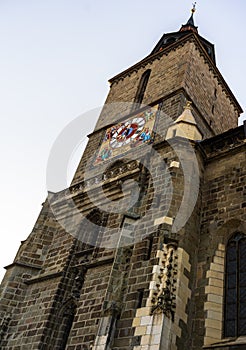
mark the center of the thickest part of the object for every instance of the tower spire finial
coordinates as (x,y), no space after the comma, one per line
(190,23)
(193,10)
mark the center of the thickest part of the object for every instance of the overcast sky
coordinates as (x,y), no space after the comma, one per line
(56,57)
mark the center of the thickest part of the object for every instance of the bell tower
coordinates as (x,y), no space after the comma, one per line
(133,254)
(181,67)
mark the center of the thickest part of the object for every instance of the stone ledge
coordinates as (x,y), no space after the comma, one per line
(100,263)
(240,343)
(96,263)
(22,264)
(232,140)
(163,220)
(44,277)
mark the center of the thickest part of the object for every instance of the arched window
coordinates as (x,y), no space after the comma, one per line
(141,89)
(235,287)
(63,325)
(66,325)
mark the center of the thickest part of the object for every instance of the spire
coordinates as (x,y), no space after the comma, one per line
(190,23)
(185,125)
(191,19)
(185,30)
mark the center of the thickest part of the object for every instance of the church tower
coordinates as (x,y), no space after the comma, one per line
(146,249)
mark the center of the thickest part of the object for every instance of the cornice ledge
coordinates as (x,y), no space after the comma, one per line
(94,183)
(229,141)
(44,277)
(100,262)
(23,264)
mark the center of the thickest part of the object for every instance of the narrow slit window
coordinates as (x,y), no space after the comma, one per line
(149,247)
(141,89)
(140,298)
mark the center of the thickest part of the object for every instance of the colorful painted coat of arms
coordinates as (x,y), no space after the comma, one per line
(128,134)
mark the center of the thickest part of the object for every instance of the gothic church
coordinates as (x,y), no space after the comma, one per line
(146,250)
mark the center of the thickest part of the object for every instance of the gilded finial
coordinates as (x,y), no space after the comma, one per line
(193,10)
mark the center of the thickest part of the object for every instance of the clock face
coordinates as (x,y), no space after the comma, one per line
(128,134)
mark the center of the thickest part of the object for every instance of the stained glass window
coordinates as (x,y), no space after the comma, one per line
(235,287)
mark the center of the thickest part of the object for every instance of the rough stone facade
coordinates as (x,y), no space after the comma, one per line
(135,279)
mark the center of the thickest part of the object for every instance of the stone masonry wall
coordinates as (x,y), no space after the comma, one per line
(223,213)
(184,67)
(208,94)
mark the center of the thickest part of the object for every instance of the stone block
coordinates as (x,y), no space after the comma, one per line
(215,324)
(213,333)
(215,274)
(141,330)
(219,260)
(218,299)
(136,322)
(156,269)
(155,330)
(212,306)
(152,285)
(221,247)
(214,290)
(217,267)
(163,220)
(145,339)
(176,330)
(159,254)
(216,282)
(220,253)
(174,164)
(214,315)
(144,311)
(146,320)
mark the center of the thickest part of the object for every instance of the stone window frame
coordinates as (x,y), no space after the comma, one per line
(64,324)
(238,238)
(215,288)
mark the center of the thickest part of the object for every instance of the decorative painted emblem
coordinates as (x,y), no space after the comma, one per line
(130,133)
